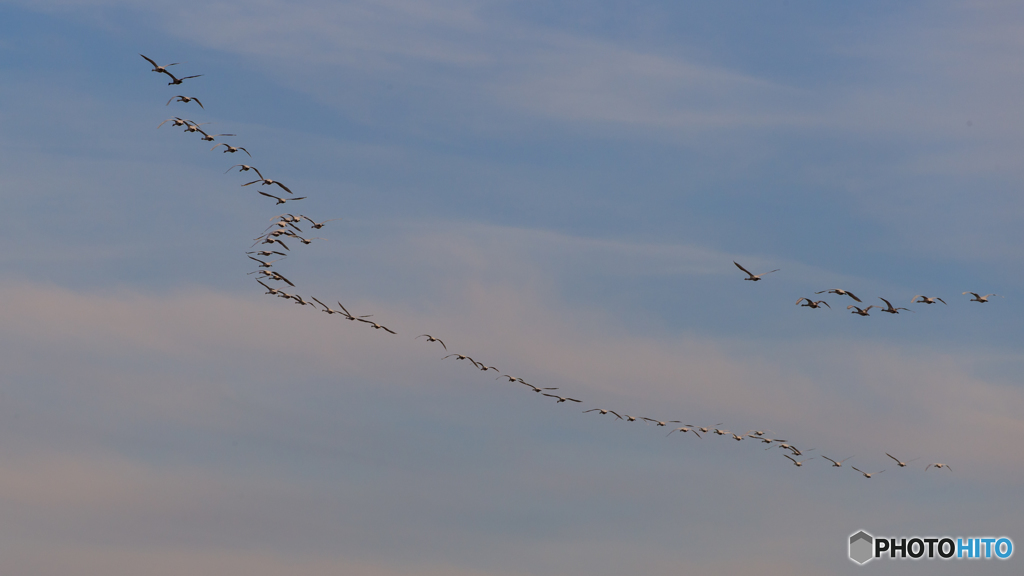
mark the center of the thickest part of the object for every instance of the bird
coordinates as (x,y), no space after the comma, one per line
(191,126)
(705,429)
(720,432)
(460,357)
(267,253)
(659,422)
(321,224)
(861,311)
(603,411)
(210,137)
(299,300)
(796,451)
(327,308)
(684,429)
(938,465)
(484,368)
(348,315)
(982,299)
(560,399)
(901,464)
(629,418)
(270,290)
(768,440)
(274,276)
(834,463)
(432,339)
(890,308)
(244,168)
(268,182)
(751,276)
(306,241)
(232,149)
(800,463)
(157,67)
(281,200)
(512,378)
(377,326)
(866,474)
(813,304)
(535,389)
(176,122)
(264,264)
(926,300)
(175,81)
(186,100)
(277,241)
(840,292)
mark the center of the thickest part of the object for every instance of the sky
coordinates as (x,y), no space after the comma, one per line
(558,189)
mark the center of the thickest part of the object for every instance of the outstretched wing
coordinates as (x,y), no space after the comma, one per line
(742,268)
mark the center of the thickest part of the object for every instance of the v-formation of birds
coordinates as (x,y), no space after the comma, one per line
(289,227)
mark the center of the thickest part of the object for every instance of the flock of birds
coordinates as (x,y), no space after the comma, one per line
(288,228)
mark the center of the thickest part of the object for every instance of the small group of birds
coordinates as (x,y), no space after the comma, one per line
(288,226)
(853,308)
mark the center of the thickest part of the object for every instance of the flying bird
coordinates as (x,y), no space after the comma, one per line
(264,264)
(560,399)
(270,290)
(685,429)
(603,411)
(267,253)
(535,389)
(751,276)
(835,464)
(800,463)
(432,339)
(282,201)
(866,474)
(176,122)
(245,168)
(157,67)
(813,304)
(460,357)
(186,100)
(982,299)
(232,149)
(175,81)
(327,308)
(377,326)
(938,465)
(321,224)
(890,308)
(861,311)
(348,315)
(901,464)
(191,126)
(209,137)
(659,422)
(273,276)
(926,300)
(268,182)
(840,292)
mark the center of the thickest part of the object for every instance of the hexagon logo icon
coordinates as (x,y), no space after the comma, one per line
(861,545)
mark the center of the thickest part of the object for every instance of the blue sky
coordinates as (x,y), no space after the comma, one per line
(558,189)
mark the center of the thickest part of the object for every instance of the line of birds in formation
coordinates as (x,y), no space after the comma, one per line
(287,226)
(811,303)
